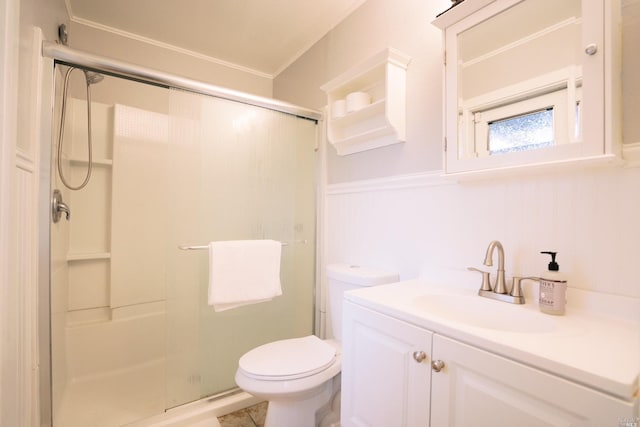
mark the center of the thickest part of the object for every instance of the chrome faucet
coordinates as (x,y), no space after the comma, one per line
(58,207)
(499,289)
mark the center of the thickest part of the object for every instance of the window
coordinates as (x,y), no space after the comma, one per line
(525,132)
(536,122)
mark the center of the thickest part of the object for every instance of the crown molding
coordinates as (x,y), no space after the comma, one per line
(168,46)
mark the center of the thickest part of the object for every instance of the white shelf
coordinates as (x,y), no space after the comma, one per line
(368,140)
(381,123)
(96,162)
(369,111)
(88,256)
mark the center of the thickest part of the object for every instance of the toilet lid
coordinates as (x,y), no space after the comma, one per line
(288,359)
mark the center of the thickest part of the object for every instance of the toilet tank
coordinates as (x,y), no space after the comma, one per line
(345,277)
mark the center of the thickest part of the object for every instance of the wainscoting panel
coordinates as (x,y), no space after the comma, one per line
(424,226)
(25,286)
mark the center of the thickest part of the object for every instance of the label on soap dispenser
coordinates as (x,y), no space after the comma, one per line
(553,296)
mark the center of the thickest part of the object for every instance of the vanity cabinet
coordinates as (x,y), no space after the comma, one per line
(387,382)
(479,388)
(377,123)
(385,370)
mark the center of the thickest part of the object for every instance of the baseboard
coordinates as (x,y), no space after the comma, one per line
(631,155)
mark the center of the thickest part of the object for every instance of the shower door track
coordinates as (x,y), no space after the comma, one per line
(67,56)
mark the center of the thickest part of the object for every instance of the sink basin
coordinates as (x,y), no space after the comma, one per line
(479,312)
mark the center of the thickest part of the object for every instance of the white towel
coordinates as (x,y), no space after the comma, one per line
(243,272)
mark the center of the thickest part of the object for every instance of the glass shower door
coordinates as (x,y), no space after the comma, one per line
(237,172)
(132,334)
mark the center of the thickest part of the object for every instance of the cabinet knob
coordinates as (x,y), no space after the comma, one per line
(419,356)
(591,49)
(437,365)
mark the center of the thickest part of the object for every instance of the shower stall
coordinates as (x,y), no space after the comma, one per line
(169,163)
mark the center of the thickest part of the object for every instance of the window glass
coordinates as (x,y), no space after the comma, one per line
(520,133)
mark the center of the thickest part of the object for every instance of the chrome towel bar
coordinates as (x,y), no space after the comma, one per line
(198,247)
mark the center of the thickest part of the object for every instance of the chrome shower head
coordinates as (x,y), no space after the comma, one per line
(93,77)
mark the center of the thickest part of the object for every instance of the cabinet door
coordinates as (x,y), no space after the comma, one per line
(478,388)
(385,379)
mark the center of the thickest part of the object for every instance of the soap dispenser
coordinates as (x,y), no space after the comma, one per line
(553,288)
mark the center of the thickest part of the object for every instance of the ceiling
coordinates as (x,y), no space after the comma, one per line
(264,36)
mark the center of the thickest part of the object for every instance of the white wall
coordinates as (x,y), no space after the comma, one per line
(377,24)
(9,12)
(389,208)
(21,122)
(106,42)
(630,68)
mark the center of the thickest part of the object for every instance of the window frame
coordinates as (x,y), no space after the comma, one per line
(564,117)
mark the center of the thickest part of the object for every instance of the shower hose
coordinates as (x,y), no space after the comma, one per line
(90,78)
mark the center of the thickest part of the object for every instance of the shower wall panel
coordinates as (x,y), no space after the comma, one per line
(89,241)
(108,353)
(140,215)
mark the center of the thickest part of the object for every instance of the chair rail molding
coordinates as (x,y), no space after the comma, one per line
(395,182)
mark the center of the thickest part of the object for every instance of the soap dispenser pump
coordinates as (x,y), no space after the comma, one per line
(553,288)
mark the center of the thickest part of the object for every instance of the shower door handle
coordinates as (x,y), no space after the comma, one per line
(58,207)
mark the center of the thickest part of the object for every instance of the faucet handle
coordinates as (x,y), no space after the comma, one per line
(486,285)
(516,289)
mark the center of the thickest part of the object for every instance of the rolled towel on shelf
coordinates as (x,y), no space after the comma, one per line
(243,272)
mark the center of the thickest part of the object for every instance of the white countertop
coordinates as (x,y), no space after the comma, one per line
(592,345)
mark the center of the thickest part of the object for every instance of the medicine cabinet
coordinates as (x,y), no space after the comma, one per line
(530,83)
(377,118)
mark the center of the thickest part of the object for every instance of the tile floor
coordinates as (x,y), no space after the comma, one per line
(252,416)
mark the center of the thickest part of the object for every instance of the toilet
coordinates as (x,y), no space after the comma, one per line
(299,377)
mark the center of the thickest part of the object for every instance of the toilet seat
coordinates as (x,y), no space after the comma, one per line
(288,359)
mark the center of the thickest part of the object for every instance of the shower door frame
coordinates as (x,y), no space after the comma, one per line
(52,54)
(64,55)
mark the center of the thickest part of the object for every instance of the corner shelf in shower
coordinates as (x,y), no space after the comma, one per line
(96,162)
(88,256)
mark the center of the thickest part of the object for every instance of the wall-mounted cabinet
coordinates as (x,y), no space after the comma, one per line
(530,84)
(378,117)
